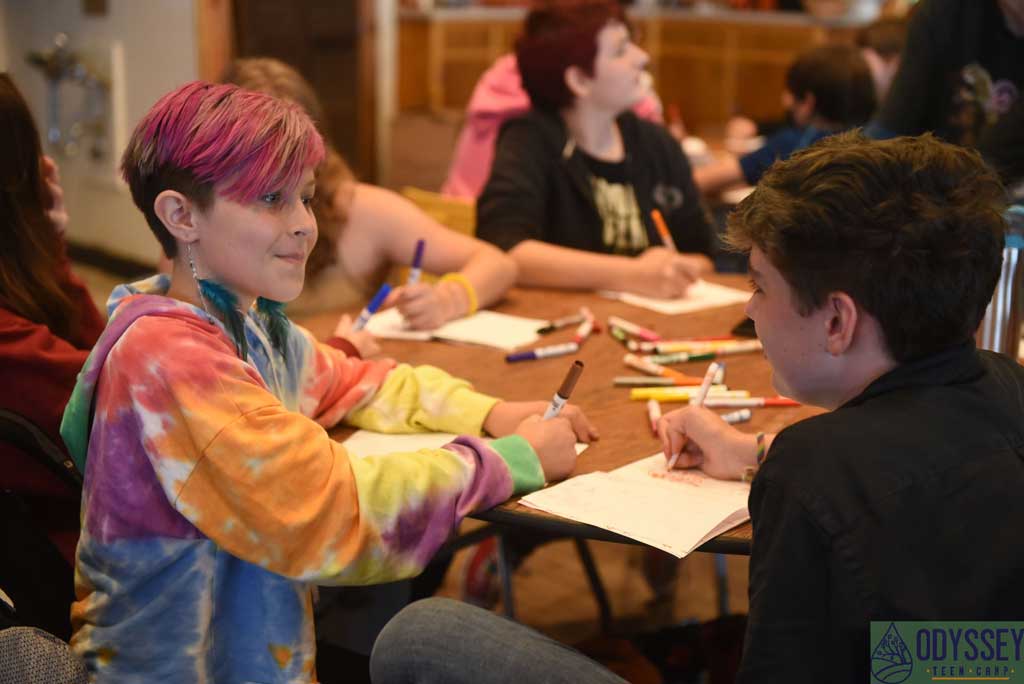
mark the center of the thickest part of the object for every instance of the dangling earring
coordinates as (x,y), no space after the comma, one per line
(195,275)
(224,301)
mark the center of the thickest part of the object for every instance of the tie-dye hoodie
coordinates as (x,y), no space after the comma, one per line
(214,496)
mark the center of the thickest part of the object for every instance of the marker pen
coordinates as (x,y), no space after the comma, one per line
(634,329)
(685,393)
(666,237)
(720,374)
(680,357)
(619,334)
(645,366)
(417,260)
(751,402)
(741,416)
(702,393)
(562,322)
(653,414)
(371,308)
(562,395)
(720,348)
(585,328)
(544,352)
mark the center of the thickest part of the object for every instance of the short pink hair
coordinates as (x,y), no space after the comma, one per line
(207,139)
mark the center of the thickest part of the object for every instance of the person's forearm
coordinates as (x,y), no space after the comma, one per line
(545,265)
(491,272)
(718,175)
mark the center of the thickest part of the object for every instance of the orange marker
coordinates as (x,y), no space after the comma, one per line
(666,237)
(645,366)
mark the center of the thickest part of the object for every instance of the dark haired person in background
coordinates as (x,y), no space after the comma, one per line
(575,180)
(962,70)
(828,89)
(48,324)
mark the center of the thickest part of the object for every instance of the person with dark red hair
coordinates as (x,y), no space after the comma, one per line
(575,180)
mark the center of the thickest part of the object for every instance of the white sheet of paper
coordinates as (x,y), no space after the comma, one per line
(675,512)
(701,295)
(365,443)
(488,328)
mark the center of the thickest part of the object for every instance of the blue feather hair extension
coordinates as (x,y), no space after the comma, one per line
(225,301)
(276,321)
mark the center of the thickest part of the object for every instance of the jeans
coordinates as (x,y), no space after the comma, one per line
(445,641)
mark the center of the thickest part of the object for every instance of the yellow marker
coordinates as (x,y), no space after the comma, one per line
(673,393)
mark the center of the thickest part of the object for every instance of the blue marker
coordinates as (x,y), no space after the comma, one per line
(544,352)
(417,259)
(371,308)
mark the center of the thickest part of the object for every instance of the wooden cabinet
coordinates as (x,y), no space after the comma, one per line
(442,53)
(711,65)
(331,44)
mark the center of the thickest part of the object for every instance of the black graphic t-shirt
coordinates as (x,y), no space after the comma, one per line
(542,188)
(962,70)
(615,199)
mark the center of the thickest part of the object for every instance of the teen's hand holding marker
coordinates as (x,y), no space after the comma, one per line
(427,306)
(362,340)
(552,429)
(695,437)
(662,271)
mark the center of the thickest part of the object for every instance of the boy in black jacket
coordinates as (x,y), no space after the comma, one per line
(873,264)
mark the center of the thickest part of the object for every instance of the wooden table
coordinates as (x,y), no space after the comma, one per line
(625,432)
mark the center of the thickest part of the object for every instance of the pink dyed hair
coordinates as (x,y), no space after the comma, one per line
(207,139)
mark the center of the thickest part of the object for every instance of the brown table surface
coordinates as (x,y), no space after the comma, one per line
(625,432)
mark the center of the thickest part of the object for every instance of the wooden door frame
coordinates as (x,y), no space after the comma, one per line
(217,47)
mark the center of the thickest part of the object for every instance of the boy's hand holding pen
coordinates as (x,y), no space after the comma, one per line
(700,438)
(553,436)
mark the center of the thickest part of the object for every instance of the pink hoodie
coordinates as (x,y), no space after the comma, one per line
(498,96)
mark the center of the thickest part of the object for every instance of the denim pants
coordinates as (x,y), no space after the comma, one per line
(445,641)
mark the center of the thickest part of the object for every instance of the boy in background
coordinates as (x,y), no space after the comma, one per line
(828,89)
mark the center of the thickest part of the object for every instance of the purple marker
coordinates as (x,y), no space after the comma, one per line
(544,352)
(417,259)
(371,308)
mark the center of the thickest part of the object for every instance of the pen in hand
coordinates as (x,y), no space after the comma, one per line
(562,395)
(371,308)
(666,236)
(698,400)
(417,260)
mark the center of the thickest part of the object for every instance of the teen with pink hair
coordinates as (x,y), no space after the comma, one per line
(365,228)
(213,495)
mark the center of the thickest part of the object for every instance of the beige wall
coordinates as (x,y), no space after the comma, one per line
(157,44)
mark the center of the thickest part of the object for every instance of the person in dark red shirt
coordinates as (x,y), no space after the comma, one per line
(48,324)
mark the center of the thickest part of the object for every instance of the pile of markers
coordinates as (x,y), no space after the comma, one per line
(586,326)
(661,383)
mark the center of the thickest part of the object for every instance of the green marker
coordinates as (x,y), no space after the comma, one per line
(680,357)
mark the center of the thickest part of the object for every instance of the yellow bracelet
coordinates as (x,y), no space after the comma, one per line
(467,286)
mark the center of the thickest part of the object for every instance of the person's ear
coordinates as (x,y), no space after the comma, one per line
(840,322)
(577,81)
(178,214)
